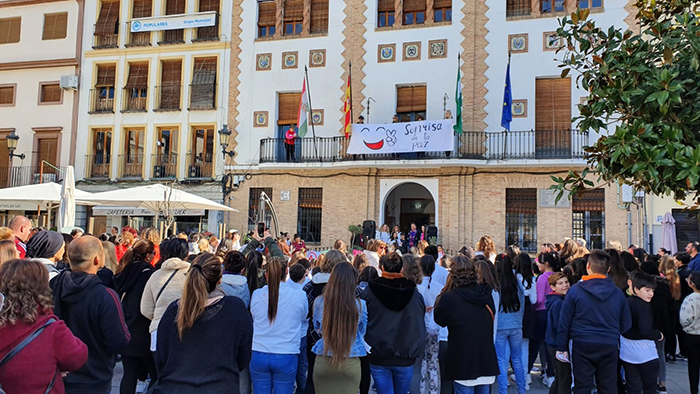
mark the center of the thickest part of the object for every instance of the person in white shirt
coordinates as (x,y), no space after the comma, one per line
(279,313)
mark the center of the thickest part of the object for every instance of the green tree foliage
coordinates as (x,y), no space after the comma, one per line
(643,97)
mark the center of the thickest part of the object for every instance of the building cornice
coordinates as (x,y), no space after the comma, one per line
(149,50)
(51,63)
(19,3)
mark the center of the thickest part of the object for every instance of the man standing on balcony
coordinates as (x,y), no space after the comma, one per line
(289,137)
(21,227)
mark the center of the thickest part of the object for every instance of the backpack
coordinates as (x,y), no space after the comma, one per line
(26,341)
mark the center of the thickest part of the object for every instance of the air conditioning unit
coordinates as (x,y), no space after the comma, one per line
(69,82)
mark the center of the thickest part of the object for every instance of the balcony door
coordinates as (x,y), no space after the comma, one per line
(98,164)
(165,159)
(553,118)
(132,160)
(46,153)
(288,104)
(201,158)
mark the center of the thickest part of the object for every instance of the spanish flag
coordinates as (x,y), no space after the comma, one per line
(348,109)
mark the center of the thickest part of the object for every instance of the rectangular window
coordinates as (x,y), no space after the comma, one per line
(132,160)
(201,158)
(319,16)
(170,85)
(10,29)
(107,26)
(173,7)
(50,93)
(7,95)
(293,16)
(47,152)
(414,12)
(518,8)
(55,26)
(521,218)
(442,10)
(288,108)
(546,6)
(553,118)
(203,88)
(102,97)
(254,207)
(209,33)
(97,165)
(267,11)
(385,11)
(136,89)
(310,214)
(589,217)
(165,158)
(590,3)
(141,9)
(411,103)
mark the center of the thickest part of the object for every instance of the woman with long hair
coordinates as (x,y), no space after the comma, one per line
(165,285)
(342,320)
(548,263)
(360,262)
(629,262)
(279,314)
(375,251)
(254,271)
(8,251)
(152,235)
(486,247)
(524,273)
(225,246)
(617,271)
(509,332)
(411,270)
(111,262)
(384,233)
(124,242)
(28,309)
(204,339)
(568,251)
(430,365)
(133,273)
(470,360)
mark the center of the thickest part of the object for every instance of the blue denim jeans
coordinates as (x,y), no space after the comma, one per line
(510,340)
(302,367)
(273,373)
(459,389)
(391,380)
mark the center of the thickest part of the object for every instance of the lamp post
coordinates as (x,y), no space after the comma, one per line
(224,136)
(12,140)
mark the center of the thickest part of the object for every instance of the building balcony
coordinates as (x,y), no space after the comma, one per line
(208,33)
(135,100)
(130,167)
(202,96)
(138,39)
(200,166)
(168,97)
(171,37)
(164,166)
(470,145)
(28,175)
(103,41)
(101,100)
(97,166)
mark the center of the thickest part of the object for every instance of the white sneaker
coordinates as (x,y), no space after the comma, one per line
(548,380)
(528,379)
(511,377)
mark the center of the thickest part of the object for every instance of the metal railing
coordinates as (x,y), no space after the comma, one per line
(102,100)
(518,8)
(97,166)
(168,97)
(171,37)
(102,41)
(501,145)
(199,166)
(135,100)
(138,39)
(130,166)
(202,96)
(164,166)
(209,33)
(29,175)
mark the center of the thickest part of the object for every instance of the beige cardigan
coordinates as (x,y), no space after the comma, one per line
(154,310)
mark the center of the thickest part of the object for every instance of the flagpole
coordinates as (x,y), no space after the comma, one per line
(352,117)
(311,115)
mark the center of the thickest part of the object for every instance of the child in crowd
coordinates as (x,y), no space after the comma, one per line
(690,321)
(559,284)
(637,347)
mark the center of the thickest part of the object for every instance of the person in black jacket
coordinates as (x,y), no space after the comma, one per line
(662,306)
(466,308)
(205,338)
(132,275)
(94,315)
(395,326)
(682,262)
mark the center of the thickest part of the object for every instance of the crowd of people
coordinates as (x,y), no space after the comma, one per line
(192,313)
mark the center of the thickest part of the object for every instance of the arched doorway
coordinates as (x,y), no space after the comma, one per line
(409,202)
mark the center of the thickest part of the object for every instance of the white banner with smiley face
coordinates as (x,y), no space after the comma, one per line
(422,136)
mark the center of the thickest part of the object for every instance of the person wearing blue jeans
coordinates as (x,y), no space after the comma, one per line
(481,389)
(511,339)
(391,380)
(273,373)
(302,366)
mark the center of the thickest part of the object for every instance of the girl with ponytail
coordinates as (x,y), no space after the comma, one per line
(203,331)
(279,312)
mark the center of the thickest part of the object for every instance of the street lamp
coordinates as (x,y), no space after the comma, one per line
(12,140)
(224,136)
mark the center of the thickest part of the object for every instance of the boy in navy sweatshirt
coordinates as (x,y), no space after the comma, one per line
(593,316)
(637,345)
(559,284)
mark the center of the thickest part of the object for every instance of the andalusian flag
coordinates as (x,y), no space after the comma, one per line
(347,108)
(303,117)
(458,99)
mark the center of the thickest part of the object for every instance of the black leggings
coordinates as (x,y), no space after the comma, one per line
(537,345)
(135,368)
(692,351)
(366,377)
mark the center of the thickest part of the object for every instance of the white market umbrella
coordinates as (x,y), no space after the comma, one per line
(155,197)
(668,240)
(66,211)
(42,194)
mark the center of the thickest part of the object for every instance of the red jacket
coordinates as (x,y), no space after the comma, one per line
(21,247)
(31,370)
(289,136)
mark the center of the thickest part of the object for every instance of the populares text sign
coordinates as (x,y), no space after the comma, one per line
(423,136)
(172,22)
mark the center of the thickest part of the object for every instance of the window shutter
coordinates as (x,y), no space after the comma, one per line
(142,9)
(293,10)
(267,13)
(7,95)
(108,19)
(521,201)
(410,99)
(288,108)
(591,200)
(413,5)
(106,75)
(319,16)
(208,5)
(204,71)
(385,6)
(553,104)
(51,93)
(418,99)
(172,72)
(47,151)
(138,76)
(10,29)
(4,160)
(175,7)
(55,26)
(442,4)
